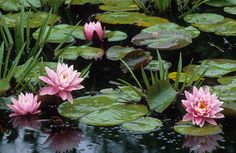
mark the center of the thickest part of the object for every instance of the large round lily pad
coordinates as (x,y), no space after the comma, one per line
(163,39)
(119,5)
(214,67)
(115,115)
(204,18)
(31,19)
(82,2)
(117,52)
(136,18)
(230,10)
(144,124)
(16,5)
(221,3)
(189,129)
(226,93)
(87,52)
(84,105)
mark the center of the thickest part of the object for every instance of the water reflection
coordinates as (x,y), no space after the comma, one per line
(30,121)
(202,144)
(63,141)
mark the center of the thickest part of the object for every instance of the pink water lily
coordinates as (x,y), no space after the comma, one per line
(92,28)
(62,82)
(26,104)
(201,107)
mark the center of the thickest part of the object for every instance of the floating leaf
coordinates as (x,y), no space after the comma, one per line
(87,52)
(4,86)
(227,80)
(16,5)
(229,108)
(82,2)
(221,3)
(84,105)
(214,67)
(154,65)
(136,18)
(161,95)
(144,124)
(117,52)
(115,115)
(118,5)
(189,129)
(183,76)
(136,59)
(163,39)
(226,93)
(230,10)
(204,18)
(115,35)
(31,19)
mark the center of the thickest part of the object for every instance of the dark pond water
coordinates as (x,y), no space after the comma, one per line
(52,133)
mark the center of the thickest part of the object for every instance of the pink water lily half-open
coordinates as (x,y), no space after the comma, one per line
(202,106)
(62,82)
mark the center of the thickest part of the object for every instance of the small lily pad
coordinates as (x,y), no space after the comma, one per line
(87,52)
(204,18)
(117,52)
(227,80)
(184,77)
(115,35)
(221,3)
(143,125)
(136,18)
(189,129)
(84,105)
(230,10)
(154,65)
(16,5)
(115,115)
(31,19)
(4,86)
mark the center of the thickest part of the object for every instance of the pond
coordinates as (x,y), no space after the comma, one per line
(145,76)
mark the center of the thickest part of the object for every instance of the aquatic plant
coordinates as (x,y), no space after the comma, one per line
(61,82)
(202,106)
(94,30)
(26,104)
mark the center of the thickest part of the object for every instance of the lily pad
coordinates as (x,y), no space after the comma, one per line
(84,105)
(230,10)
(143,125)
(184,77)
(189,129)
(221,3)
(36,71)
(117,52)
(193,32)
(31,19)
(214,67)
(119,5)
(82,2)
(115,115)
(154,65)
(204,18)
(226,93)
(229,108)
(16,5)
(4,86)
(136,18)
(163,39)
(87,52)
(115,35)
(227,80)
(161,95)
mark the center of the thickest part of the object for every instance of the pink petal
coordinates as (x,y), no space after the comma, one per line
(49,91)
(211,121)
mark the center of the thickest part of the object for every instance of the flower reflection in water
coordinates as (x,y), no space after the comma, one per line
(63,141)
(31,121)
(202,144)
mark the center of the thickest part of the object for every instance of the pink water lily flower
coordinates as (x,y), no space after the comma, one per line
(92,28)
(201,107)
(62,82)
(26,104)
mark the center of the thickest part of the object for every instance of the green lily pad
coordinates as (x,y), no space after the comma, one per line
(136,18)
(4,86)
(82,2)
(31,19)
(36,71)
(214,67)
(226,93)
(16,5)
(117,52)
(115,115)
(122,94)
(161,95)
(84,105)
(144,124)
(119,5)
(184,77)
(204,18)
(162,39)
(229,108)
(115,35)
(221,3)
(227,80)
(193,32)
(225,28)
(230,10)
(189,129)
(73,52)
(154,65)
